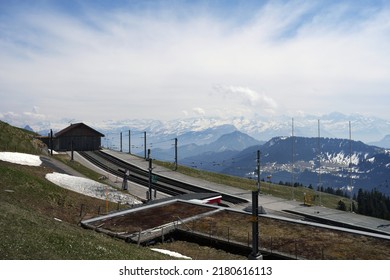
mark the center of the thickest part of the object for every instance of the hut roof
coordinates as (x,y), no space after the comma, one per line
(75,126)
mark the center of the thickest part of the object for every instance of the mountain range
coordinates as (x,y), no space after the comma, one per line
(334,125)
(326,162)
(229,146)
(204,130)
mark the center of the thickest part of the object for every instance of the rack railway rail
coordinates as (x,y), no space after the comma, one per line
(140,176)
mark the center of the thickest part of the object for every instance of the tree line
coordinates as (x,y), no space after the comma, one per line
(369,203)
(373,203)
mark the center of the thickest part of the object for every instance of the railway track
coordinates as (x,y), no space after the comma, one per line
(140,176)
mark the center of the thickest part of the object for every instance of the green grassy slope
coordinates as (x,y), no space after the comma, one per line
(15,139)
(30,207)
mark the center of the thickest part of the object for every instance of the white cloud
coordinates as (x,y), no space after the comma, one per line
(249,98)
(34,115)
(24,118)
(300,113)
(118,63)
(199,111)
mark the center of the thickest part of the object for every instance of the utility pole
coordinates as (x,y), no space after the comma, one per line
(350,162)
(51,142)
(176,154)
(255,254)
(145,144)
(292,158)
(150,177)
(258,171)
(319,163)
(71,148)
(120,142)
(129,142)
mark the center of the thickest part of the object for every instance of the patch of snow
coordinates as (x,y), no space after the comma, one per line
(342,158)
(90,188)
(197,201)
(54,152)
(371,159)
(208,136)
(170,253)
(355,159)
(271,142)
(222,149)
(20,158)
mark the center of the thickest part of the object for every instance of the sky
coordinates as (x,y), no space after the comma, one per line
(100,60)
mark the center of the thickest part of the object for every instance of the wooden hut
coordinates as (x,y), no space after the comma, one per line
(78,137)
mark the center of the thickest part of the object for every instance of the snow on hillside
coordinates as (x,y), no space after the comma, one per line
(20,158)
(81,185)
(170,253)
(341,158)
(90,188)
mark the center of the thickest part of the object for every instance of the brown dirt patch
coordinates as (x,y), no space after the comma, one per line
(151,217)
(303,241)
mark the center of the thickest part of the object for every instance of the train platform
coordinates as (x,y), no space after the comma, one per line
(272,205)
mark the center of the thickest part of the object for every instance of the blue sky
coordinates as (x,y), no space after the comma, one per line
(96,60)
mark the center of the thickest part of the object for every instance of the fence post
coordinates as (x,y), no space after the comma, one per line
(139,237)
(81,210)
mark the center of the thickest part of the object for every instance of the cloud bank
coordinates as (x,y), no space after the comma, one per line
(280,58)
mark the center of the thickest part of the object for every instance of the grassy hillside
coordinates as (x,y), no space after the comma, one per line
(30,207)
(39,220)
(15,139)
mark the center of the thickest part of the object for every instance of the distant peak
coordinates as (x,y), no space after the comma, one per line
(27,127)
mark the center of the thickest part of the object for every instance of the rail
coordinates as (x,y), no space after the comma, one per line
(138,175)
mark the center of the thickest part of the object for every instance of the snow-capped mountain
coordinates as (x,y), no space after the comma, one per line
(205,130)
(334,125)
(312,161)
(229,143)
(197,136)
